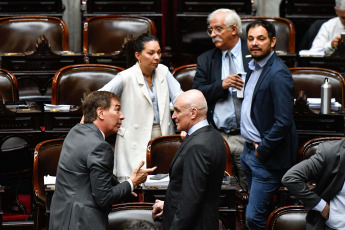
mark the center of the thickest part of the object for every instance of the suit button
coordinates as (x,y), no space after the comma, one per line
(136,126)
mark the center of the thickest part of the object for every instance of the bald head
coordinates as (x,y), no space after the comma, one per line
(190,108)
(195,99)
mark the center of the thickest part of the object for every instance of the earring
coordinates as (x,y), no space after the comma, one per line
(139,61)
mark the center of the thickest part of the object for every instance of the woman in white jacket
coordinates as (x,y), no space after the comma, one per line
(146,90)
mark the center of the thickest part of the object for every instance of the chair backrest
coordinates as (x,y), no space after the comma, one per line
(8,86)
(20,33)
(107,34)
(287,218)
(13,148)
(309,148)
(136,215)
(310,34)
(46,159)
(71,82)
(285,32)
(161,151)
(310,79)
(185,75)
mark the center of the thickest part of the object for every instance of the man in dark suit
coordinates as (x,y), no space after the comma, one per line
(326,204)
(216,77)
(85,185)
(196,172)
(267,123)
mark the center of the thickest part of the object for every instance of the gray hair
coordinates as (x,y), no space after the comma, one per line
(340,4)
(231,18)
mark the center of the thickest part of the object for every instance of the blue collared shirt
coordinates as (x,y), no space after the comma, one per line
(224,111)
(154,99)
(248,130)
(197,126)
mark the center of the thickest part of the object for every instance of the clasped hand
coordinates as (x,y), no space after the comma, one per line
(157,209)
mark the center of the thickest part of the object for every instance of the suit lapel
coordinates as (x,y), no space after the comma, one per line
(141,83)
(185,142)
(216,68)
(338,182)
(264,73)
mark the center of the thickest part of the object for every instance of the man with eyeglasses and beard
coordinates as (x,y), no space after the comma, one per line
(217,78)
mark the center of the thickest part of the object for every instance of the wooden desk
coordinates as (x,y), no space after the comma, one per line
(24,122)
(35,70)
(58,124)
(310,124)
(227,207)
(336,64)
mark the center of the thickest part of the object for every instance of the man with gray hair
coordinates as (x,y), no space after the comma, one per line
(217,78)
(196,172)
(329,35)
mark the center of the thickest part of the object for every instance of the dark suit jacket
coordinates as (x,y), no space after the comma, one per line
(208,76)
(272,114)
(326,167)
(196,172)
(85,185)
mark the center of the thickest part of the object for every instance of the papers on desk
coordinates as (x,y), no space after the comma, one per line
(57,108)
(311,53)
(315,103)
(156,183)
(49,180)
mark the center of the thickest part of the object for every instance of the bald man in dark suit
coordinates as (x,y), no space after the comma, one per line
(196,172)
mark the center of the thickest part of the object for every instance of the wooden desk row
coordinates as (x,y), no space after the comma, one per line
(35,70)
(35,125)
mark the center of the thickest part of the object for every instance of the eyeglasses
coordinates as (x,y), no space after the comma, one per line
(217,30)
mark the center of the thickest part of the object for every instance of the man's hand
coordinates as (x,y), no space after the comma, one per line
(336,42)
(325,212)
(139,175)
(256,151)
(233,80)
(157,209)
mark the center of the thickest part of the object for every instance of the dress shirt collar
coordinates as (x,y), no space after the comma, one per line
(236,51)
(197,126)
(260,64)
(102,133)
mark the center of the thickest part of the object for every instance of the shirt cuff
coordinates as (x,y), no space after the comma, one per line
(131,183)
(320,206)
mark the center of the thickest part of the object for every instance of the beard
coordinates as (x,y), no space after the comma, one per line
(259,57)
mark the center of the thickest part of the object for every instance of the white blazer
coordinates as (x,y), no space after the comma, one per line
(136,105)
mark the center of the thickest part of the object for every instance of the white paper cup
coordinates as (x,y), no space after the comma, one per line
(240,92)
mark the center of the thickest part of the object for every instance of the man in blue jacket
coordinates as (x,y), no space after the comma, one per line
(267,123)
